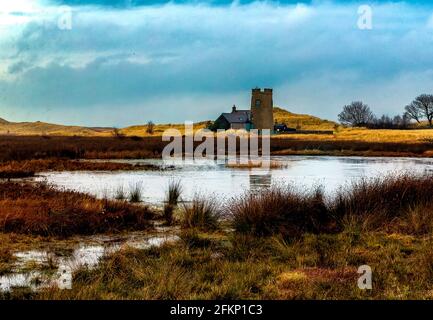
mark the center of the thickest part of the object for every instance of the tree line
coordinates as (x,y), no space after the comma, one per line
(358,114)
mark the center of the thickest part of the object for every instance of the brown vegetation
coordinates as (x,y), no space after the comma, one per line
(303,144)
(358,143)
(39,209)
(27,168)
(398,203)
(202,213)
(279,211)
(36,147)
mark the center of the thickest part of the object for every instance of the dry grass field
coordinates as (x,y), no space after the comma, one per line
(368,135)
(300,121)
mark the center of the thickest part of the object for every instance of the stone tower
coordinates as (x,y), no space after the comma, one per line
(262,107)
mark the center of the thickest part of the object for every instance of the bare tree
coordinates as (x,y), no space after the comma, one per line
(421,108)
(412,112)
(356,114)
(150,127)
(387,122)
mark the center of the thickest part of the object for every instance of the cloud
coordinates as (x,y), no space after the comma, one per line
(177,60)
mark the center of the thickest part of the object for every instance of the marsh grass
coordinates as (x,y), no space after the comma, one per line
(280,210)
(390,195)
(416,220)
(6,260)
(174,192)
(135,193)
(168,213)
(400,203)
(202,213)
(312,267)
(345,142)
(120,193)
(39,209)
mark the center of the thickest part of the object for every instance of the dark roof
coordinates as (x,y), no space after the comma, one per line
(238,116)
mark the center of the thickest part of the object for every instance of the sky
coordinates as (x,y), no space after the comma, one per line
(125,62)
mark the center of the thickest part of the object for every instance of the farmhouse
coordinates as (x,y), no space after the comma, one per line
(237,119)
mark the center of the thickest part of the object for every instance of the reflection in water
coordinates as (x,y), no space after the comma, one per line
(260,182)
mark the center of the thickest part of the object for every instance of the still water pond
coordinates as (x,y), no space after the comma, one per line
(211,178)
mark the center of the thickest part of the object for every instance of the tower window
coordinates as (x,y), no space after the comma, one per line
(258,103)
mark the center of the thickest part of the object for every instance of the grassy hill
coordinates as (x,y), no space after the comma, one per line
(305,122)
(302,121)
(141,130)
(42,128)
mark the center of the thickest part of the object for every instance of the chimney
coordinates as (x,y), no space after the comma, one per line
(234,108)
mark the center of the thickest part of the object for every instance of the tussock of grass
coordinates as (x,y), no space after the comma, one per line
(120,193)
(172,199)
(279,210)
(201,212)
(135,193)
(174,192)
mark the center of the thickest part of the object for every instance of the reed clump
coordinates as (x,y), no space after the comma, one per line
(173,197)
(135,193)
(202,213)
(174,192)
(120,193)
